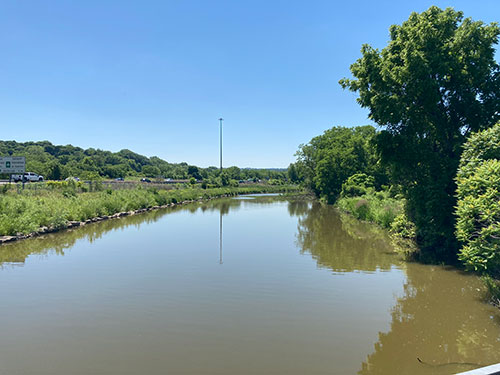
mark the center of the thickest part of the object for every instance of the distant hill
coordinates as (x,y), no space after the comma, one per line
(58,162)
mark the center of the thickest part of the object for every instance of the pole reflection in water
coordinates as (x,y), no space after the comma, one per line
(220,237)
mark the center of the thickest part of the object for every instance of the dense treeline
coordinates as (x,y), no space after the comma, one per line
(59,162)
(434,86)
(326,162)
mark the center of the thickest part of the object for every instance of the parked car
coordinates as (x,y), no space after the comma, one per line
(145,180)
(119,179)
(27,177)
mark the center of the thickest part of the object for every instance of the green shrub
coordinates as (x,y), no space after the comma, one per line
(353,190)
(478,224)
(377,207)
(362,209)
(385,216)
(478,207)
(357,185)
(401,226)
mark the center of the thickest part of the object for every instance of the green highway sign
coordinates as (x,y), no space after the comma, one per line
(12,164)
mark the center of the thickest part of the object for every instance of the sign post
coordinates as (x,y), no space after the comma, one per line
(12,165)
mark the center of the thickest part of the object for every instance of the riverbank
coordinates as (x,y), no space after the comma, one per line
(31,213)
(388,213)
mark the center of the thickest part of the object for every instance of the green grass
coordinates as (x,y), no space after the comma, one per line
(377,207)
(388,212)
(26,211)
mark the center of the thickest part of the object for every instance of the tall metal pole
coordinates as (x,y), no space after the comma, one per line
(220,121)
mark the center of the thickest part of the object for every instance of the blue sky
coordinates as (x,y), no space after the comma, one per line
(154,76)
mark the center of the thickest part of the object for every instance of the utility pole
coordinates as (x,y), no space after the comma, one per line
(220,121)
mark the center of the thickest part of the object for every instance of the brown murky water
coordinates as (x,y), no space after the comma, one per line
(292,288)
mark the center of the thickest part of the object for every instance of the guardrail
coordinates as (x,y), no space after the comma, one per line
(488,370)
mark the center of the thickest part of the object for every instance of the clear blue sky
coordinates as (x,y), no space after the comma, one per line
(154,76)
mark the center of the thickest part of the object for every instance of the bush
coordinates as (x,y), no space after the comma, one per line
(371,208)
(362,210)
(478,208)
(357,185)
(385,216)
(478,224)
(402,227)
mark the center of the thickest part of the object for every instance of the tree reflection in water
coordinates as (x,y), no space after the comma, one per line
(440,317)
(15,253)
(341,243)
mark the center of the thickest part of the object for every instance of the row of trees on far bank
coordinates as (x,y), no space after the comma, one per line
(57,162)
(434,85)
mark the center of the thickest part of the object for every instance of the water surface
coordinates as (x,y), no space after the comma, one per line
(290,287)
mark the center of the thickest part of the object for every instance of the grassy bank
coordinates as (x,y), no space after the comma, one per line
(384,207)
(388,212)
(378,207)
(23,212)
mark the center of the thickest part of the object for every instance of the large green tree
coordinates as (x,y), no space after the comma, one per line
(329,159)
(435,82)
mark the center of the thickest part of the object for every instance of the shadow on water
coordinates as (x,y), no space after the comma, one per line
(439,318)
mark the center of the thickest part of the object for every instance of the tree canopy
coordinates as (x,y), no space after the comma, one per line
(56,162)
(328,160)
(435,82)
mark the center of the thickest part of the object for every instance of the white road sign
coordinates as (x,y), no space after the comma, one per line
(12,164)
